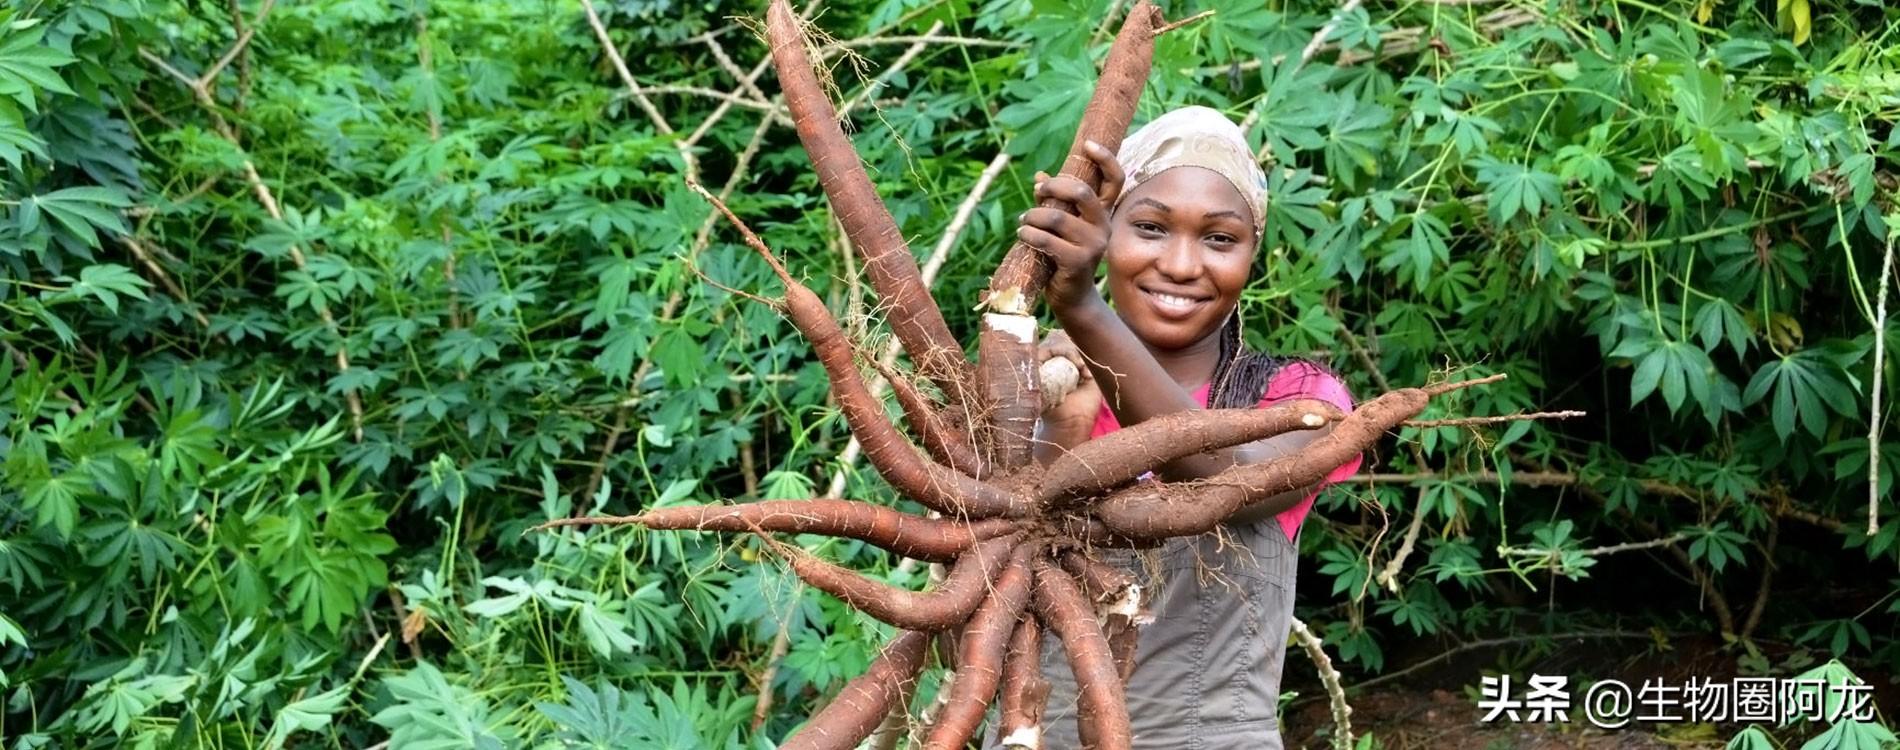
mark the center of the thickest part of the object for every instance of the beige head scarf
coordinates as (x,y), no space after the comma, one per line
(1196,137)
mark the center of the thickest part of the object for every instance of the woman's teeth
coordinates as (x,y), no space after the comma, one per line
(1175,301)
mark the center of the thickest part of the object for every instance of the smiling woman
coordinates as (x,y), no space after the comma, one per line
(1179,243)
(1177,266)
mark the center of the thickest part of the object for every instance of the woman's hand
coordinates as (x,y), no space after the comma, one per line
(1074,241)
(1069,422)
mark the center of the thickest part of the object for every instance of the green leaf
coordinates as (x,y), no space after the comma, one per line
(310,714)
(1516,189)
(1239,30)
(1853,735)
(785,485)
(679,356)
(16,141)
(1355,135)
(80,211)
(1292,110)
(55,501)
(26,68)
(429,713)
(1718,319)
(606,634)
(1425,247)
(1751,738)
(1044,109)
(106,282)
(10,632)
(1805,385)
(604,719)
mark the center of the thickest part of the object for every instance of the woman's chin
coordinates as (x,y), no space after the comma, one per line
(1171,336)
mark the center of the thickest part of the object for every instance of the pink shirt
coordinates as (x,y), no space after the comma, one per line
(1295,380)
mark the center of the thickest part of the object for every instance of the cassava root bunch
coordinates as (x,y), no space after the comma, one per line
(1018,539)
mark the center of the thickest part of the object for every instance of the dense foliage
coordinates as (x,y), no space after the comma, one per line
(299,340)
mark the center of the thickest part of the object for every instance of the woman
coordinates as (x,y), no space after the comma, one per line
(1179,239)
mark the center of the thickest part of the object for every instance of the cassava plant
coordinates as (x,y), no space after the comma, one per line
(1019,540)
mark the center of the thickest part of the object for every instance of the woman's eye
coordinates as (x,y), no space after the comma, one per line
(1147,227)
(1223,240)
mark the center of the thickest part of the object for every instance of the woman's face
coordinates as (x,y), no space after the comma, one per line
(1180,248)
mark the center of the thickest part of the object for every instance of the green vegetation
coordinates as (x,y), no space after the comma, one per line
(299,340)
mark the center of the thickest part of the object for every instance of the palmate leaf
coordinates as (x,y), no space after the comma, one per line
(1292,110)
(1805,385)
(10,633)
(429,713)
(652,615)
(1517,189)
(1045,108)
(1239,30)
(1421,250)
(606,629)
(1355,135)
(1412,612)
(1355,30)
(1752,738)
(79,211)
(1718,320)
(1834,703)
(105,282)
(604,719)
(332,588)
(307,715)
(1715,119)
(1675,369)
(16,141)
(83,135)
(1467,133)
(1718,545)
(54,501)
(1853,735)
(1294,213)
(26,68)
(118,701)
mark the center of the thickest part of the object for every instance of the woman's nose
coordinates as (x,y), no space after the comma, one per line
(1180,260)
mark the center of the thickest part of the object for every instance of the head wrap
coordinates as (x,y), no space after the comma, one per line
(1195,137)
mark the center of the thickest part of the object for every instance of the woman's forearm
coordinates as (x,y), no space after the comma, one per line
(1134,385)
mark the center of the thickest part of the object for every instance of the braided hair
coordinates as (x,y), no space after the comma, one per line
(1241,375)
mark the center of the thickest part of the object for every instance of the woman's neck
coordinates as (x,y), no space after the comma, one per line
(1191,366)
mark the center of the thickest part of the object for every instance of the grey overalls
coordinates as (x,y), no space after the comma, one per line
(1207,670)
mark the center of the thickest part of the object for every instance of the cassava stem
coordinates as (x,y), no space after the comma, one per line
(914,317)
(1019,279)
